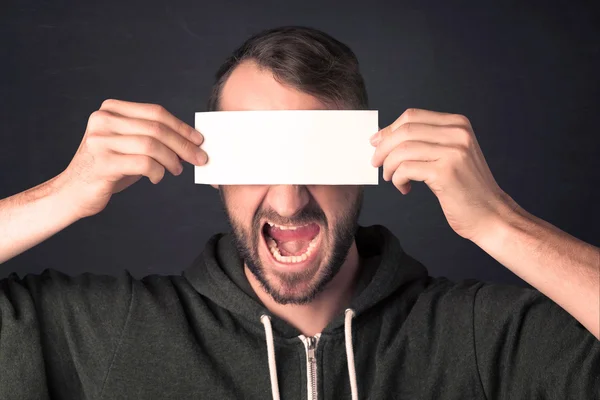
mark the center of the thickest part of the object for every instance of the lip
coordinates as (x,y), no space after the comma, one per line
(292,267)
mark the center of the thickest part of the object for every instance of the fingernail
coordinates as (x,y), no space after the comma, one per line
(197,136)
(201,157)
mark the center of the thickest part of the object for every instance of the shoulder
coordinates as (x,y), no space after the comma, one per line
(484,296)
(86,291)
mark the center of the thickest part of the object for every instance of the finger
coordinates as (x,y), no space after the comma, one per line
(153,112)
(419,116)
(183,148)
(421,171)
(141,145)
(413,132)
(122,165)
(411,150)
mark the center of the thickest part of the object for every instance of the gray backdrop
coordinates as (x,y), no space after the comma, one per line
(527,78)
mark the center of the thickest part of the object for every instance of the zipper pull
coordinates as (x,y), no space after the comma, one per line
(311,348)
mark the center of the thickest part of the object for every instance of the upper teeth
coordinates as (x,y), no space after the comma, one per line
(283,228)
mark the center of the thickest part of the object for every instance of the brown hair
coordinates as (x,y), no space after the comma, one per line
(305,58)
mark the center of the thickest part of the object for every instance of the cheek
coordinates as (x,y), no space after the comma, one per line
(242,201)
(336,201)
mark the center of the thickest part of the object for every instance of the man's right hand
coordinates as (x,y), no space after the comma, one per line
(123,142)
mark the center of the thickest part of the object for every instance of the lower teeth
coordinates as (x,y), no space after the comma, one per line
(291,259)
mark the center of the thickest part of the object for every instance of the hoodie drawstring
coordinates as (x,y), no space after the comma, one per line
(350,352)
(266,320)
(349,314)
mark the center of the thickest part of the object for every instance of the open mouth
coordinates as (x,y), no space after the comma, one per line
(292,244)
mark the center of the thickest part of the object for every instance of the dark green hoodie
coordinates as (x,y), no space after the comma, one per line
(200,335)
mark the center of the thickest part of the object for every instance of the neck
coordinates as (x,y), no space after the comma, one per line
(313,317)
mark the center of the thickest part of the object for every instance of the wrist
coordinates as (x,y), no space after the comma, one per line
(30,217)
(507,217)
(63,199)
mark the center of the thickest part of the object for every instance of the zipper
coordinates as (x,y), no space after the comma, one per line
(310,344)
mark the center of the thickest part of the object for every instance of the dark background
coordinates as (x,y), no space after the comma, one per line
(527,79)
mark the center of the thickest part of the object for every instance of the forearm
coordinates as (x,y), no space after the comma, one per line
(30,217)
(564,268)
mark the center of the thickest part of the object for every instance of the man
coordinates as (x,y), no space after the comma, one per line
(298,301)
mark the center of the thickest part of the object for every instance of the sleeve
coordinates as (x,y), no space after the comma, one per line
(59,334)
(528,347)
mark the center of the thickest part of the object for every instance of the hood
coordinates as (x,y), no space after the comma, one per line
(218,274)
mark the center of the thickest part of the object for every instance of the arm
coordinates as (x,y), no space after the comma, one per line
(33,216)
(59,333)
(441,150)
(526,346)
(564,268)
(123,142)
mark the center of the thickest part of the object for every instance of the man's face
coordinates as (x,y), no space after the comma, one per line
(292,265)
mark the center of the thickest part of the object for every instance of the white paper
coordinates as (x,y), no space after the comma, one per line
(317,147)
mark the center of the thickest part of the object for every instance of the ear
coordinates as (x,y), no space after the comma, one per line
(215,186)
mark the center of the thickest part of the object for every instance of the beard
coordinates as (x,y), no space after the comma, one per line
(283,287)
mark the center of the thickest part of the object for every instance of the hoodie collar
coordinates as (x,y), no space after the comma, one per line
(218,274)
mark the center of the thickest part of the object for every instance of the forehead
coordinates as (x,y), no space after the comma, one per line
(250,87)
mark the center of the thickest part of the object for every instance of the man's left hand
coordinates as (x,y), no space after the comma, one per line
(441,150)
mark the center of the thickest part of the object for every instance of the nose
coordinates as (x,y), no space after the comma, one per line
(287,200)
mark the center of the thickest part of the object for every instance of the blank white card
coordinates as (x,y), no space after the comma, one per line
(304,147)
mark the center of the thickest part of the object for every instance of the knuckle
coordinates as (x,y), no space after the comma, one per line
(403,147)
(462,120)
(171,157)
(410,113)
(107,103)
(184,128)
(402,167)
(92,141)
(407,116)
(157,110)
(98,118)
(148,144)
(406,129)
(401,171)
(155,128)
(464,136)
(188,148)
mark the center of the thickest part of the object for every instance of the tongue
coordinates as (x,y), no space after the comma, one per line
(293,242)
(293,248)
